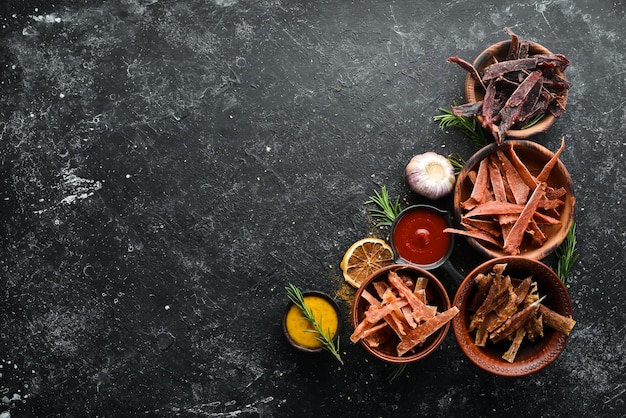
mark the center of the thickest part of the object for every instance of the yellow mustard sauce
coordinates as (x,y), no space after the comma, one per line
(299,329)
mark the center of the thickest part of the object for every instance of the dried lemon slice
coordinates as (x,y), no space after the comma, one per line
(363,258)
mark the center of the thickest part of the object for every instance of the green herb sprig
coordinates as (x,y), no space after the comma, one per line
(467,126)
(395,371)
(567,254)
(533,121)
(388,210)
(295,295)
(457,161)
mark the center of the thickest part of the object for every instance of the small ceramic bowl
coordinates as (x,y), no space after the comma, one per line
(437,296)
(475,93)
(532,356)
(534,156)
(330,303)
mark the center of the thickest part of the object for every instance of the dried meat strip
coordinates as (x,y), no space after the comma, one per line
(480,187)
(476,234)
(520,104)
(483,284)
(467,66)
(559,61)
(503,67)
(489,104)
(468,110)
(418,335)
(511,353)
(514,239)
(514,47)
(489,226)
(521,168)
(518,187)
(495,208)
(516,321)
(563,324)
(547,168)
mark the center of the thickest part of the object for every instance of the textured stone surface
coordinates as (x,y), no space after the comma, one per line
(168,166)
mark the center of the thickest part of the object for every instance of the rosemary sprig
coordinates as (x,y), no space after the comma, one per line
(395,371)
(467,126)
(295,295)
(388,209)
(533,121)
(457,162)
(567,254)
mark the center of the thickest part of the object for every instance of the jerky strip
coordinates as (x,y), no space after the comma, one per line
(469,68)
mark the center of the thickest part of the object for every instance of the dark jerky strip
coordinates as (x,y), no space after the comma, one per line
(557,106)
(467,110)
(489,103)
(469,68)
(519,105)
(524,48)
(539,60)
(519,95)
(552,60)
(527,107)
(503,67)
(514,48)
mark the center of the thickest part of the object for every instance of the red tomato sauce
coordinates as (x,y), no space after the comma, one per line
(418,237)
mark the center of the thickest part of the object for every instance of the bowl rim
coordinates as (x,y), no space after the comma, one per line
(544,123)
(552,347)
(444,213)
(441,333)
(326,297)
(539,252)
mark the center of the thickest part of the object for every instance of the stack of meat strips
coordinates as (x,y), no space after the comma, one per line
(508,204)
(518,90)
(399,317)
(510,309)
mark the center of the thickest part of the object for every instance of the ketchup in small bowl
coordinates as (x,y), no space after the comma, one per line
(417,236)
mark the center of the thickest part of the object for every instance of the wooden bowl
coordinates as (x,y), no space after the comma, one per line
(534,156)
(475,93)
(532,356)
(436,295)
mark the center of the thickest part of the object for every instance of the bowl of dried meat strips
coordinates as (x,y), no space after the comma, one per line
(514,199)
(401,314)
(515,316)
(515,88)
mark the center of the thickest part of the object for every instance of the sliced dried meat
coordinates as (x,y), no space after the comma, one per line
(467,66)
(514,239)
(563,324)
(418,335)
(519,188)
(476,234)
(500,80)
(547,168)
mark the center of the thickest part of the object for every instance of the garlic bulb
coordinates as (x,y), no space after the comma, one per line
(430,175)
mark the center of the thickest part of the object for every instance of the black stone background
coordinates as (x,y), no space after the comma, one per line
(168,166)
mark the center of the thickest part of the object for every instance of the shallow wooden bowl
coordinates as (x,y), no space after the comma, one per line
(475,93)
(532,356)
(436,295)
(534,156)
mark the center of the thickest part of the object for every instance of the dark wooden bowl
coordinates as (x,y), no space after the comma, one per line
(534,156)
(475,93)
(436,295)
(532,356)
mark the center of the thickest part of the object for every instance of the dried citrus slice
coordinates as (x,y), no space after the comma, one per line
(363,258)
